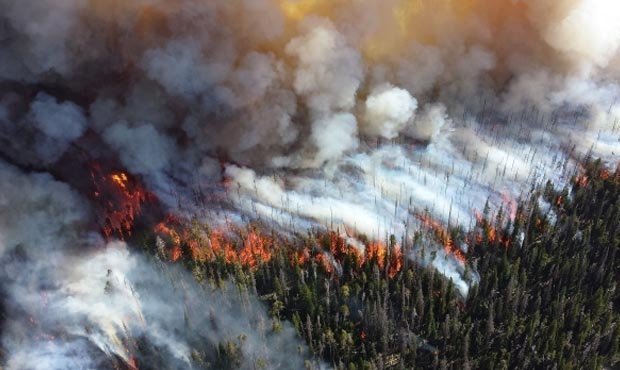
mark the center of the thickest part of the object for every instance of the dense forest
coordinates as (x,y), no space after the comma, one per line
(547,295)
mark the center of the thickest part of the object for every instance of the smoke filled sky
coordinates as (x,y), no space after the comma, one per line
(353,114)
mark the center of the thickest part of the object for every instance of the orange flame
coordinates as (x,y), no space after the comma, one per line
(256,249)
(163,229)
(176,253)
(120,199)
(582,181)
(492,234)
(376,252)
(324,262)
(300,257)
(396,262)
(444,237)
(120,179)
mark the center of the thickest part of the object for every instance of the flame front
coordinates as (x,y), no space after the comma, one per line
(251,249)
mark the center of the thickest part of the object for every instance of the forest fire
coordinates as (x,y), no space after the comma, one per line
(323,260)
(256,250)
(209,245)
(374,252)
(582,181)
(220,247)
(443,235)
(491,233)
(251,249)
(510,205)
(396,262)
(606,174)
(290,184)
(120,179)
(119,200)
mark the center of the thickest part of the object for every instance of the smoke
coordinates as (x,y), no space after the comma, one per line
(328,71)
(388,111)
(142,148)
(74,302)
(430,123)
(587,32)
(64,122)
(356,115)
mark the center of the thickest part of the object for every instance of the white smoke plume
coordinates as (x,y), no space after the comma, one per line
(357,115)
(389,110)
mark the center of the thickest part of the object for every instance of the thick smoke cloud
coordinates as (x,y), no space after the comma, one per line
(358,115)
(587,32)
(149,155)
(388,111)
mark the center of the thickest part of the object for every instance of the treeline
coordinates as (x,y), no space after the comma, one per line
(547,296)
